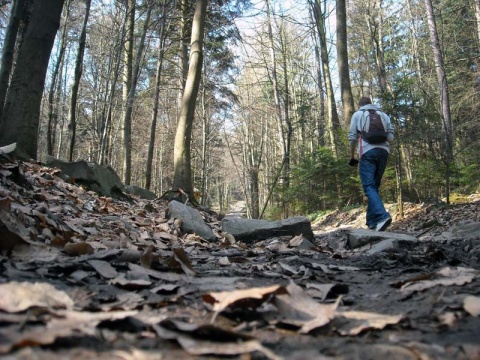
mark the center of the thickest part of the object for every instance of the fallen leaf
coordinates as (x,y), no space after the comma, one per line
(131,284)
(299,309)
(21,296)
(76,249)
(364,321)
(181,257)
(146,258)
(471,304)
(251,297)
(445,277)
(210,339)
(103,268)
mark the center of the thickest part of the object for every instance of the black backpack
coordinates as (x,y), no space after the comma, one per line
(376,133)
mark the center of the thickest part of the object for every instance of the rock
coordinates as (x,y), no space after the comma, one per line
(359,237)
(192,221)
(466,230)
(249,230)
(385,245)
(101,179)
(140,192)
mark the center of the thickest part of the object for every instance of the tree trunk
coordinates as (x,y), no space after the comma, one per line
(182,50)
(342,61)
(334,122)
(106,123)
(22,106)
(477,17)
(52,92)
(127,120)
(182,157)
(158,76)
(444,94)
(72,115)
(9,50)
(127,86)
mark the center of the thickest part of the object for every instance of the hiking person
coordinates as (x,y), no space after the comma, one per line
(376,134)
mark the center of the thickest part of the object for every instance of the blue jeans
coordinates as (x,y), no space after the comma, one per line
(372,167)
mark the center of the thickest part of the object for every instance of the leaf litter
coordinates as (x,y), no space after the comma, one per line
(86,276)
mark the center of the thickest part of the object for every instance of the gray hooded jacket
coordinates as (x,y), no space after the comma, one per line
(356,125)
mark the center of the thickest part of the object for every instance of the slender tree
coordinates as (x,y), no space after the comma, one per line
(72,115)
(333,120)
(342,61)
(182,156)
(444,94)
(127,86)
(153,126)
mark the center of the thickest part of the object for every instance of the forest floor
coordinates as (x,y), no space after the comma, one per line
(88,277)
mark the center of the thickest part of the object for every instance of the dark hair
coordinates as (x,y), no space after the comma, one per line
(365,100)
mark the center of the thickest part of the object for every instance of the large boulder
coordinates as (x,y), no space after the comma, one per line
(140,192)
(249,230)
(466,230)
(192,220)
(101,179)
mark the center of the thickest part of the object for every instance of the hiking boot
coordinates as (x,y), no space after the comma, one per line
(382,225)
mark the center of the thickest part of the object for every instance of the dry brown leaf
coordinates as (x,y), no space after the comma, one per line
(209,339)
(445,277)
(471,304)
(146,258)
(364,321)
(19,296)
(181,257)
(5,204)
(77,249)
(103,268)
(224,299)
(12,231)
(131,284)
(299,309)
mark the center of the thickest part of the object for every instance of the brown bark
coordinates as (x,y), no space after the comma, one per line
(342,61)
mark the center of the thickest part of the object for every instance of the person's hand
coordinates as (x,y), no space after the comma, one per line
(353,162)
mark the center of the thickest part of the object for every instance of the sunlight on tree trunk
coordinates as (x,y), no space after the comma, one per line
(72,115)
(444,95)
(182,156)
(342,60)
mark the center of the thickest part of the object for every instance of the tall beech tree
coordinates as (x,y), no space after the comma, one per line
(182,157)
(9,49)
(444,95)
(72,114)
(21,116)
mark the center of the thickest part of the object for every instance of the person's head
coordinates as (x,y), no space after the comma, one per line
(364,100)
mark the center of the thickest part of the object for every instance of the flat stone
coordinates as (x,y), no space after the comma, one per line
(360,237)
(192,220)
(249,230)
(466,230)
(141,192)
